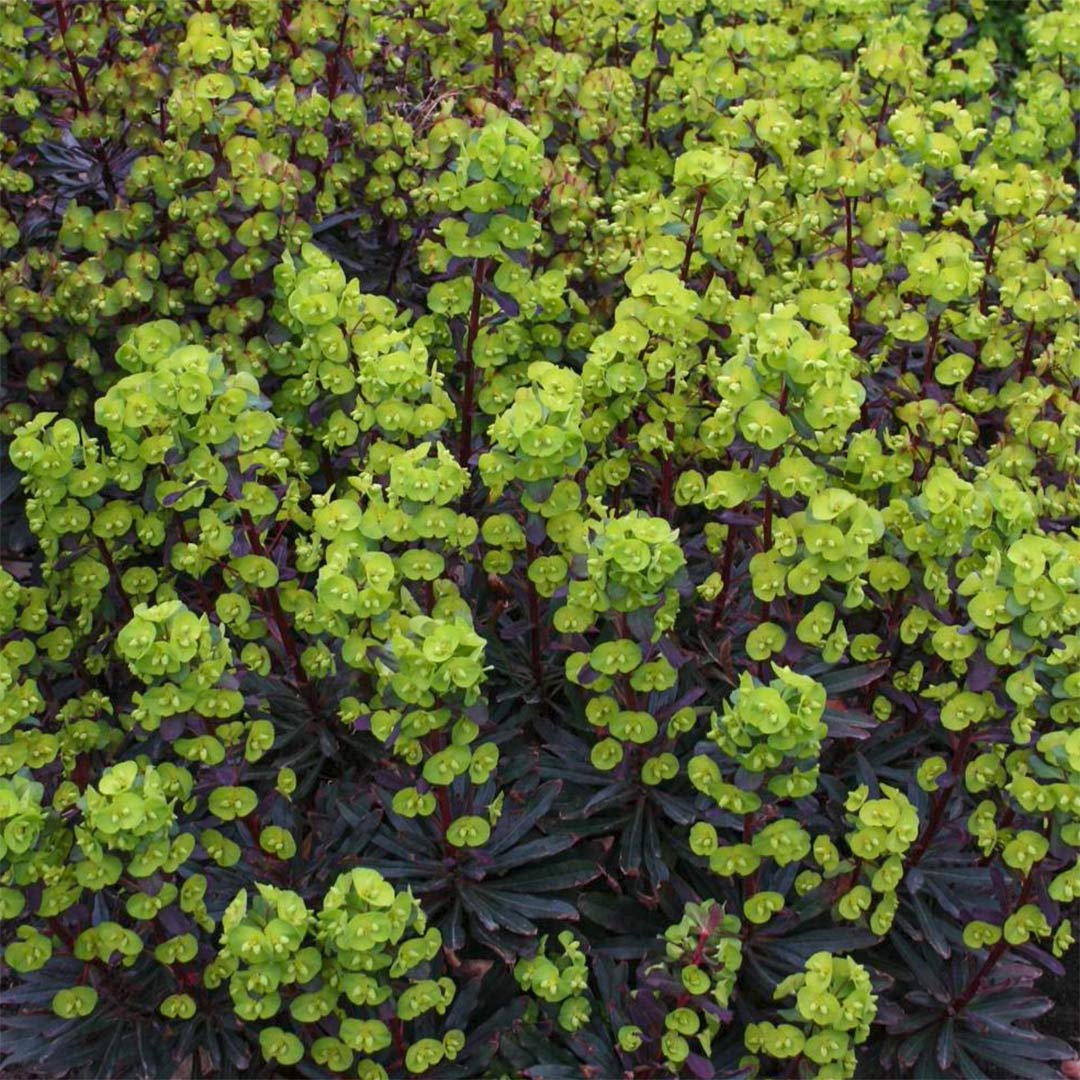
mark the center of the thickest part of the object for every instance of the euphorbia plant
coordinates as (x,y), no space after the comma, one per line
(538,539)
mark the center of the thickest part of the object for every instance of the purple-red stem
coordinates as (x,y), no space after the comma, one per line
(73,63)
(437,740)
(996,952)
(667,466)
(273,604)
(725,576)
(446,815)
(1029,343)
(766,529)
(467,406)
(931,352)
(988,266)
(536,629)
(684,273)
(647,104)
(849,259)
(695,959)
(114,576)
(80,91)
(881,116)
(750,883)
(941,800)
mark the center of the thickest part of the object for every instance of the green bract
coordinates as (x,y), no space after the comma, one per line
(471,469)
(275,952)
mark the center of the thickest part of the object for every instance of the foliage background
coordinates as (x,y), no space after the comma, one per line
(773,254)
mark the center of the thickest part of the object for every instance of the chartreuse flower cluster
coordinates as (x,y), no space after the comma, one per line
(393,526)
(834,1007)
(420,418)
(763,728)
(883,831)
(632,573)
(703,955)
(362,953)
(483,200)
(677,1004)
(558,980)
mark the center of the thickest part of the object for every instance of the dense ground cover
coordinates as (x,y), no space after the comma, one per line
(540,539)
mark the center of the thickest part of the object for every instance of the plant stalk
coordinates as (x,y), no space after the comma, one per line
(647,103)
(996,952)
(284,631)
(941,799)
(467,401)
